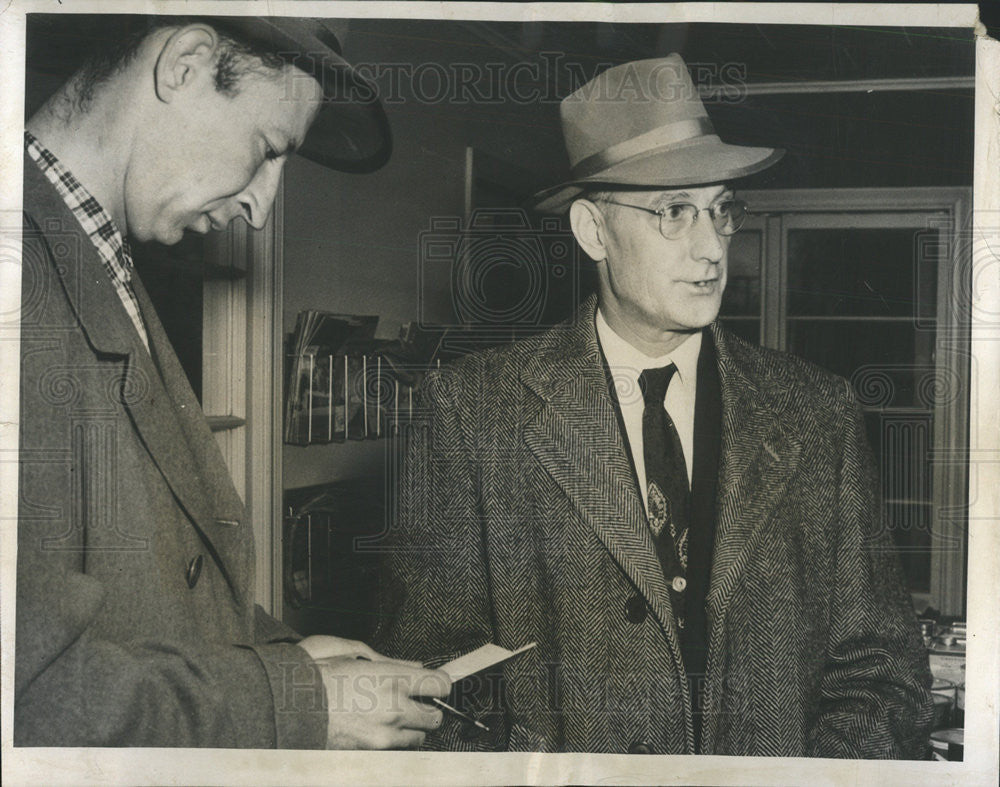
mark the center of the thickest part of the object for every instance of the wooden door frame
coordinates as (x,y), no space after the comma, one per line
(242,378)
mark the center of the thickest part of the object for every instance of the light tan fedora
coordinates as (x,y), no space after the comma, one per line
(643,124)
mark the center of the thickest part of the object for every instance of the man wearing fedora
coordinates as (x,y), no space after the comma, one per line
(136,623)
(687,525)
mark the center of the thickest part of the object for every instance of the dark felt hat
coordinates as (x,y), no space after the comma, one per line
(350,133)
(643,125)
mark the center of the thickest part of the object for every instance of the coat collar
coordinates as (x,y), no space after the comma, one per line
(162,407)
(78,266)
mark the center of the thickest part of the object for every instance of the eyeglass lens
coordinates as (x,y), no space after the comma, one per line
(677,219)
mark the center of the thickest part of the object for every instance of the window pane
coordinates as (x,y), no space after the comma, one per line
(883,272)
(742,295)
(910,525)
(891,364)
(746,328)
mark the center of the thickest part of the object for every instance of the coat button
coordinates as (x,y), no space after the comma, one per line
(635,610)
(194,571)
(678,584)
(638,747)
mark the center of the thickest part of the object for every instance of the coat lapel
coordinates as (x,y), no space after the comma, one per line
(575,436)
(162,408)
(172,426)
(758,457)
(74,263)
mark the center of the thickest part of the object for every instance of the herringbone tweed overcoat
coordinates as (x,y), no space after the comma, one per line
(136,623)
(520,521)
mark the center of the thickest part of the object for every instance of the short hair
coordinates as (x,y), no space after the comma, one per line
(600,193)
(596,194)
(237,55)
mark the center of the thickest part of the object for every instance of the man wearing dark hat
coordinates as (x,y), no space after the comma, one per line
(136,623)
(687,525)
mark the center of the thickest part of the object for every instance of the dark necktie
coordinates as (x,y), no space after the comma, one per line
(666,474)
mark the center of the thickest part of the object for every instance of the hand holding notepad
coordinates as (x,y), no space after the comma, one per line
(481,658)
(477,660)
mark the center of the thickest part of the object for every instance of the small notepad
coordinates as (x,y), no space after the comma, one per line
(480,659)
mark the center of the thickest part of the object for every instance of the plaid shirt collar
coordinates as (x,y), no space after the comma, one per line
(97,222)
(111,245)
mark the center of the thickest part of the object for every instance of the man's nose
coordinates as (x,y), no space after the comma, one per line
(254,202)
(706,243)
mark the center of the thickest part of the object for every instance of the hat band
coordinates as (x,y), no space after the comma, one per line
(670,134)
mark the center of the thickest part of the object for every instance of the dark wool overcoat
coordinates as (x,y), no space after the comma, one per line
(520,521)
(136,622)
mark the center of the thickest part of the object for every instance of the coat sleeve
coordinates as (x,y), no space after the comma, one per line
(434,593)
(75,688)
(874,701)
(268,629)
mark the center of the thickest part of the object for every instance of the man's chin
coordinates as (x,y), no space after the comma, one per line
(702,318)
(168,236)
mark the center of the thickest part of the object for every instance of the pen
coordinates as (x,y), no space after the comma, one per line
(446,707)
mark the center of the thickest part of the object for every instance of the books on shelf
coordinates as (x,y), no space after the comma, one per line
(344,384)
(315,408)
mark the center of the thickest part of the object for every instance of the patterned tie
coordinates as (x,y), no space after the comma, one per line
(666,471)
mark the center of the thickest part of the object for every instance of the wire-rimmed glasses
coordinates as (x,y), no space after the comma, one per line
(677,218)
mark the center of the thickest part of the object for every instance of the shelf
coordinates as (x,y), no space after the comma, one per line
(223,423)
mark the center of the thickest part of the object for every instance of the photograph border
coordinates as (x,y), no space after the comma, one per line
(172,766)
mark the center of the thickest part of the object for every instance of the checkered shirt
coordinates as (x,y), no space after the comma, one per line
(112,247)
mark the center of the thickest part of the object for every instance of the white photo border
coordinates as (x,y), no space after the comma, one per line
(172,766)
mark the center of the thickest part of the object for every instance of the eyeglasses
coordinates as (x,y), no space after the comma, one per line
(677,218)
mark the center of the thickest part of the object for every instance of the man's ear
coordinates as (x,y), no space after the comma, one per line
(188,53)
(587,224)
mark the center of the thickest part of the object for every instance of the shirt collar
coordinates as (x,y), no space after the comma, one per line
(621,355)
(95,220)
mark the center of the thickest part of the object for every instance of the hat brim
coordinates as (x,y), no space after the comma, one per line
(705,160)
(351,131)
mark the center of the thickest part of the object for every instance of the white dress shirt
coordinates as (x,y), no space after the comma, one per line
(626,364)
